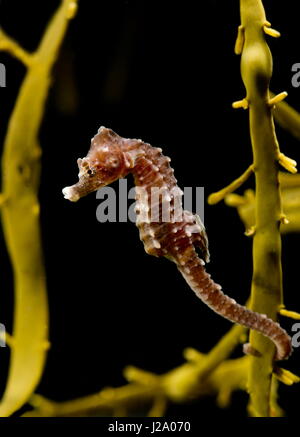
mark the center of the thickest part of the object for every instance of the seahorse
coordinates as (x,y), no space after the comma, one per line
(164,228)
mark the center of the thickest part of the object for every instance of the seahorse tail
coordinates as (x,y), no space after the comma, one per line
(192,268)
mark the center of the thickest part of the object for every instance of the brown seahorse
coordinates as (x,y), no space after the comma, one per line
(164,228)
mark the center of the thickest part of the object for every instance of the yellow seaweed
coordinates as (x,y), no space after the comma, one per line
(220,195)
(266,290)
(20,211)
(200,375)
(262,212)
(290,195)
(287,117)
(231,375)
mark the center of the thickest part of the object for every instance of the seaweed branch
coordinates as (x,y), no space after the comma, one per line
(287,117)
(202,374)
(220,195)
(266,290)
(151,393)
(290,195)
(20,212)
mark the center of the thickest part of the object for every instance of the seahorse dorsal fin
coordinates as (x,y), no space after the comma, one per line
(131,156)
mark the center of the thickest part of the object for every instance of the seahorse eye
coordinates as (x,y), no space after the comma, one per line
(114,162)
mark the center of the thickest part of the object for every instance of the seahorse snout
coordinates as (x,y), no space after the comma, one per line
(71,194)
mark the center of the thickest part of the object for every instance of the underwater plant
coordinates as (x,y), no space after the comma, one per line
(182,239)
(266,290)
(19,198)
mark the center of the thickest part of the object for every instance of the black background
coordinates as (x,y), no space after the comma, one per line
(164,72)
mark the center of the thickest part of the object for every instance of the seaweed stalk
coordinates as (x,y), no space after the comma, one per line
(20,212)
(266,290)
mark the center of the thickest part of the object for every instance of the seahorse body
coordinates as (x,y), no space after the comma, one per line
(164,228)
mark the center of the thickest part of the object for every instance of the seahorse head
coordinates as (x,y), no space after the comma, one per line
(104,163)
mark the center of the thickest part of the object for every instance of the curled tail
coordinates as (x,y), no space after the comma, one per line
(192,269)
